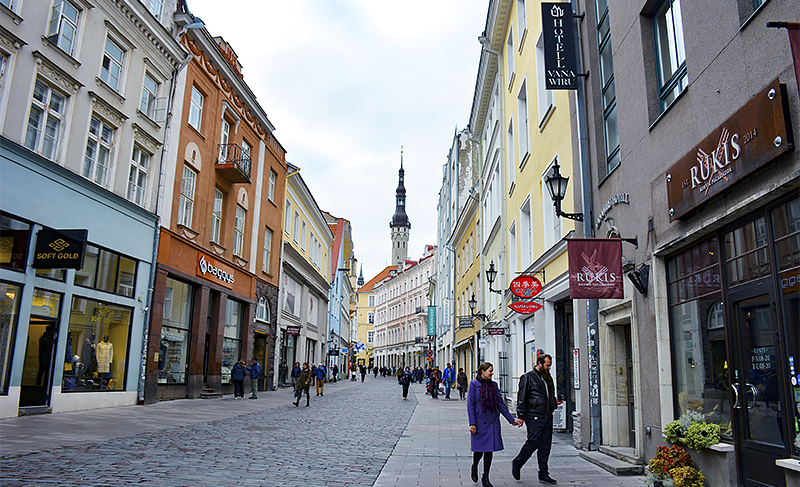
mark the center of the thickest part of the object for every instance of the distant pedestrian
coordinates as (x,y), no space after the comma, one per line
(405,381)
(363,370)
(436,379)
(238,373)
(295,375)
(536,401)
(449,378)
(375,371)
(461,381)
(255,373)
(484,407)
(335,372)
(303,384)
(319,375)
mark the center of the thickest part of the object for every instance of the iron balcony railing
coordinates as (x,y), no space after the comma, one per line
(231,155)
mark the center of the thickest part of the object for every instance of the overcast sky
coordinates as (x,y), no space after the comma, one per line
(346,83)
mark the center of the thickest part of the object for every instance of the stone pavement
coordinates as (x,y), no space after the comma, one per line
(357,434)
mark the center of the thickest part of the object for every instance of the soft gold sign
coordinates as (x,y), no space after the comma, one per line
(752,137)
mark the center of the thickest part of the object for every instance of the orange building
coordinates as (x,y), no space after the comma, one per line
(216,286)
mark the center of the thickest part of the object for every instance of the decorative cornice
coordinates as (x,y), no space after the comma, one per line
(148,31)
(110,90)
(8,39)
(119,36)
(50,70)
(14,17)
(143,138)
(105,109)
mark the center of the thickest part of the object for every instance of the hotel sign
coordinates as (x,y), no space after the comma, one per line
(60,249)
(560,64)
(755,135)
(215,271)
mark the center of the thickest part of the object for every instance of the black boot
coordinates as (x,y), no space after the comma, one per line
(485,481)
(475,472)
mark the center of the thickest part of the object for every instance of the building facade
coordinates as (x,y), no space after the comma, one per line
(83,132)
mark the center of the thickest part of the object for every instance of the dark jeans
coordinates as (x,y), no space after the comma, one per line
(299,394)
(540,439)
(238,388)
(405,389)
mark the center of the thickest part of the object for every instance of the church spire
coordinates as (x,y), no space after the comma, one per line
(400,225)
(360,281)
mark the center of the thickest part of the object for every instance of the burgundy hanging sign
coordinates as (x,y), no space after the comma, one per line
(526,286)
(595,268)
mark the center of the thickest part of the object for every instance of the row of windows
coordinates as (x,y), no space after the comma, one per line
(302,236)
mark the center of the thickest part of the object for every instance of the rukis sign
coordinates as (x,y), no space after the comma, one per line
(560,64)
(595,268)
(214,271)
(755,135)
(60,249)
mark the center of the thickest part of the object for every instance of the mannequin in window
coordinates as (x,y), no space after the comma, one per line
(105,353)
(45,354)
(88,356)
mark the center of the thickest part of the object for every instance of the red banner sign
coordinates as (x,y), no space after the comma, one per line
(525,308)
(595,268)
(526,286)
(293,330)
(497,331)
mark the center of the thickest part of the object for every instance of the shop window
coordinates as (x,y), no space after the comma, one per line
(107,271)
(173,351)
(97,340)
(232,338)
(747,253)
(48,108)
(13,243)
(701,381)
(9,312)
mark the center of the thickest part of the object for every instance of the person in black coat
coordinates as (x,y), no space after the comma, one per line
(238,372)
(405,381)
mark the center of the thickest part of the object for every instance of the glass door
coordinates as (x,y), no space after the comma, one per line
(758,405)
(37,376)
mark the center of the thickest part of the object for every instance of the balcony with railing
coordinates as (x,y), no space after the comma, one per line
(233,164)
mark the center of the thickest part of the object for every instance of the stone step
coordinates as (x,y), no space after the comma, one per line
(611,464)
(626,454)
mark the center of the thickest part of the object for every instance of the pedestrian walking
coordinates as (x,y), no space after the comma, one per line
(295,375)
(436,378)
(303,384)
(405,381)
(319,375)
(255,373)
(238,373)
(461,381)
(375,371)
(335,372)
(536,401)
(449,378)
(484,407)
(363,370)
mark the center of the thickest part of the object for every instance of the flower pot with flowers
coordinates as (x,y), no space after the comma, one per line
(673,467)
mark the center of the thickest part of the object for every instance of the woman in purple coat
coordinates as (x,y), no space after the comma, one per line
(484,406)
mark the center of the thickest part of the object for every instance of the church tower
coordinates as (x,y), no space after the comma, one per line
(400,225)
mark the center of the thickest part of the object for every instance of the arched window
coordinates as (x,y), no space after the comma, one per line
(262,310)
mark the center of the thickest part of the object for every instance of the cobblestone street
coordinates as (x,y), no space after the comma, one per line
(356,434)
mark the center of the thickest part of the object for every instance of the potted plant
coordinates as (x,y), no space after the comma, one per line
(673,467)
(692,430)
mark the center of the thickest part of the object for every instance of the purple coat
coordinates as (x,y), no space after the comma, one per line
(487,436)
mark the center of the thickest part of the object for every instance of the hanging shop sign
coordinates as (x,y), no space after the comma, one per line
(525,308)
(465,322)
(497,331)
(295,330)
(431,321)
(60,249)
(595,268)
(214,270)
(755,135)
(560,64)
(526,286)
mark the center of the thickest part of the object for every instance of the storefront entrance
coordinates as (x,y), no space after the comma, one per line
(37,375)
(758,408)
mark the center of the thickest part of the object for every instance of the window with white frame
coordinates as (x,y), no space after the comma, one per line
(9,3)
(371,318)
(262,310)
(225,132)
(512,247)
(238,231)
(196,109)
(522,20)
(522,124)
(550,221)
(186,200)
(3,68)
(371,301)
(296,234)
(111,69)
(287,219)
(44,122)
(245,153)
(371,335)
(97,160)
(511,162)
(544,97)
(510,56)
(265,261)
(526,234)
(670,51)
(271,191)
(155,7)
(137,176)
(63,27)
(303,237)
(149,95)
(216,216)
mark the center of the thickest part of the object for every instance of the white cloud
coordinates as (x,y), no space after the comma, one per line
(346,83)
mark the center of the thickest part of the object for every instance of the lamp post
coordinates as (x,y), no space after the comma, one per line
(473,303)
(557,186)
(491,275)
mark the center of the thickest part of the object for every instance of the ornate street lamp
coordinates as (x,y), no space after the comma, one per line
(473,303)
(557,186)
(491,275)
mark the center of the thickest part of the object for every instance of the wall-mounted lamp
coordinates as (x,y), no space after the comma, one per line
(473,303)
(639,278)
(557,185)
(491,275)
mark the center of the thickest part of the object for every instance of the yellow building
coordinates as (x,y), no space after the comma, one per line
(366,315)
(466,243)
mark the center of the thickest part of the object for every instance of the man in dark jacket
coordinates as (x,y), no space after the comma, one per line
(536,401)
(255,373)
(303,384)
(238,372)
